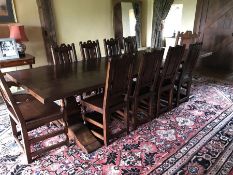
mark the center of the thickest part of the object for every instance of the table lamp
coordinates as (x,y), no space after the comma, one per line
(17,32)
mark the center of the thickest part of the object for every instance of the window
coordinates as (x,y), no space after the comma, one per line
(128,19)
(173,21)
(132,22)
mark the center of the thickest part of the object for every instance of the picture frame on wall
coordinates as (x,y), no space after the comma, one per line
(7,11)
(8,49)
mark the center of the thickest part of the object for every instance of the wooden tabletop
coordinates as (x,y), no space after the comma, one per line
(53,82)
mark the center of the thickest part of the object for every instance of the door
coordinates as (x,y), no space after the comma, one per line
(214,19)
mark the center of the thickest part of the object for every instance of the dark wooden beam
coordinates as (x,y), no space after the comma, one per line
(200,17)
(118,25)
(48,26)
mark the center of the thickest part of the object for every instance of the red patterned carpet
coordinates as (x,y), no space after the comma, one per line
(193,139)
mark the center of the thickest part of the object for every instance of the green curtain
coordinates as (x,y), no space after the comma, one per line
(160,11)
(137,13)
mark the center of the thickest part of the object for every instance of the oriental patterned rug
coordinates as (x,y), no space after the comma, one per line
(194,139)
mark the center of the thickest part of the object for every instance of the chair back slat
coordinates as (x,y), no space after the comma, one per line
(119,76)
(8,98)
(65,53)
(172,62)
(130,44)
(90,49)
(112,47)
(149,70)
(191,60)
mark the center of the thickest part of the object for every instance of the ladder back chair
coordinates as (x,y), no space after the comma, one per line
(90,49)
(187,38)
(184,81)
(115,97)
(65,53)
(63,56)
(144,90)
(164,94)
(30,115)
(112,47)
(130,44)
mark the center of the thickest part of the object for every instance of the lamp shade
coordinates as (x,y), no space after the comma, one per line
(17,32)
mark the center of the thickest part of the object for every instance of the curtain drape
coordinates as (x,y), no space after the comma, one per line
(137,13)
(160,11)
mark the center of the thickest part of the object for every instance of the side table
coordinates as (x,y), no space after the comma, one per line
(27,60)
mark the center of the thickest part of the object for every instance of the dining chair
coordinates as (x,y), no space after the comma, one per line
(64,53)
(165,86)
(112,47)
(130,44)
(187,38)
(115,97)
(90,49)
(184,80)
(143,92)
(29,115)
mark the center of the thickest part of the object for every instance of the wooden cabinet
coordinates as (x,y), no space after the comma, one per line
(214,20)
(27,60)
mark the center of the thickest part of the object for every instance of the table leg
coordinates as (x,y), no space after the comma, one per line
(80,133)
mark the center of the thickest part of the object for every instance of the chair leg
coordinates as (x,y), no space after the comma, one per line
(83,112)
(178,95)
(105,128)
(26,144)
(157,103)
(13,127)
(170,98)
(188,89)
(151,108)
(134,116)
(126,118)
(25,139)
(65,125)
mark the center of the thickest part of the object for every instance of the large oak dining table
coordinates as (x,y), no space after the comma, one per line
(53,82)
